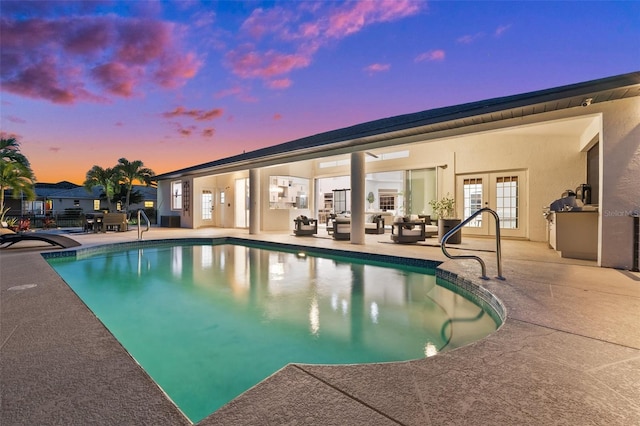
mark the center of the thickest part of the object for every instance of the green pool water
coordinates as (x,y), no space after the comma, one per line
(207,322)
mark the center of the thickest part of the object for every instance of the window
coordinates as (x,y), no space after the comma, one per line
(96,204)
(35,207)
(507,201)
(76,203)
(472,189)
(148,204)
(387,199)
(176,195)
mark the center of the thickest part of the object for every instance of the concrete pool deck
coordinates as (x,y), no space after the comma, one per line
(568,352)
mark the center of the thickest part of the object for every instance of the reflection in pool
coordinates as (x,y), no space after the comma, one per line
(207,322)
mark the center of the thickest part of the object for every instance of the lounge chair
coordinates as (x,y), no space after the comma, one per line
(408,232)
(305,226)
(374,224)
(54,239)
(340,228)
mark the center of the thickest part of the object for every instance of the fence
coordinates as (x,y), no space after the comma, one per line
(70,218)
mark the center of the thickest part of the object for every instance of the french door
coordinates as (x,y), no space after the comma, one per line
(504,192)
(207,207)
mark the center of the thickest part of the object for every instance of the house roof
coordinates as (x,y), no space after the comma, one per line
(45,189)
(430,121)
(80,193)
(77,193)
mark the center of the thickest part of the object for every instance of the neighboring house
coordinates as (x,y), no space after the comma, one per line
(515,154)
(57,198)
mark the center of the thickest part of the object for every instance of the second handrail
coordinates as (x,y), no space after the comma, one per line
(141,213)
(470,256)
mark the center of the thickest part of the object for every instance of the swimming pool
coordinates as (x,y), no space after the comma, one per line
(209,321)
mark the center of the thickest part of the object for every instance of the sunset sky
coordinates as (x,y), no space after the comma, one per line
(176,84)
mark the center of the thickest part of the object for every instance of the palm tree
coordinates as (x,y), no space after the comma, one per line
(10,151)
(106,178)
(130,171)
(17,177)
(15,173)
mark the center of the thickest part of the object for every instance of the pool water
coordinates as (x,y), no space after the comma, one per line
(207,322)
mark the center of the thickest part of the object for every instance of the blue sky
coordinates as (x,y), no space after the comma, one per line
(176,84)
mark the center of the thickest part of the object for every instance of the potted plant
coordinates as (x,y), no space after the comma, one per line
(444,210)
(371,198)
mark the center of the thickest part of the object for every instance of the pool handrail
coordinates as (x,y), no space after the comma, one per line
(469,256)
(141,213)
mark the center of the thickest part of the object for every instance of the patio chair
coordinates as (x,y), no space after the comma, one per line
(305,226)
(374,225)
(92,222)
(341,228)
(406,231)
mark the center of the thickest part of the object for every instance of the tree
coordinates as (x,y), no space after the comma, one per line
(10,151)
(135,197)
(106,178)
(131,171)
(15,173)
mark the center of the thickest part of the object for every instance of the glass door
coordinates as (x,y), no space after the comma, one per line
(207,206)
(504,192)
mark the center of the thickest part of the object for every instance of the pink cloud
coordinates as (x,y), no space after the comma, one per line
(91,58)
(196,114)
(262,22)
(432,55)
(15,119)
(45,78)
(209,115)
(501,30)
(117,78)
(251,63)
(55,149)
(307,28)
(470,38)
(282,83)
(242,93)
(355,16)
(186,131)
(375,68)
(204,19)
(208,132)
(277,116)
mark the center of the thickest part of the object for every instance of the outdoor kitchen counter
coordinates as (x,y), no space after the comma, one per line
(574,234)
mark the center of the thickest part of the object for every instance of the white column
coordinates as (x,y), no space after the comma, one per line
(357,197)
(254,201)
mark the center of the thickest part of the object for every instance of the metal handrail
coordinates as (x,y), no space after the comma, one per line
(469,256)
(141,213)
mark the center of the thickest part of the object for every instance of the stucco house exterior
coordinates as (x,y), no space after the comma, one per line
(514,154)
